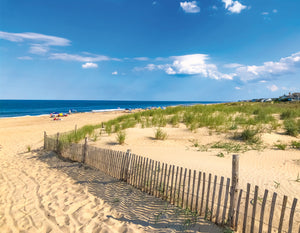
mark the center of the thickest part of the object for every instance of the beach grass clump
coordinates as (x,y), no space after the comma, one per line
(292,127)
(295,145)
(250,135)
(229,147)
(28,148)
(174,120)
(159,134)
(280,146)
(288,114)
(121,136)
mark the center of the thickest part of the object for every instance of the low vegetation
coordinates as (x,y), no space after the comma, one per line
(244,121)
(121,136)
(159,134)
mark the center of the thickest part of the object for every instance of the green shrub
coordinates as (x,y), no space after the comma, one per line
(295,145)
(250,136)
(160,134)
(288,114)
(280,146)
(291,127)
(121,136)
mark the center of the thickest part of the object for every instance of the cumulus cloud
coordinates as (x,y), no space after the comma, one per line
(269,69)
(190,7)
(76,57)
(272,88)
(193,64)
(115,73)
(234,6)
(89,65)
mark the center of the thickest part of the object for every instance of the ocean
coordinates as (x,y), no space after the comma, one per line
(16,108)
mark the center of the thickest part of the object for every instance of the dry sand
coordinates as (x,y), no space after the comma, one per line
(39,193)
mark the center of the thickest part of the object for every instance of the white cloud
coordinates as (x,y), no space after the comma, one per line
(76,57)
(214,7)
(39,43)
(234,6)
(25,58)
(237,88)
(190,7)
(89,65)
(193,64)
(38,49)
(115,73)
(141,58)
(269,69)
(272,88)
(232,65)
(41,38)
(275,11)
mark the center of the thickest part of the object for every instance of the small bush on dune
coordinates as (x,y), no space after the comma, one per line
(121,136)
(295,145)
(288,114)
(250,136)
(292,127)
(160,134)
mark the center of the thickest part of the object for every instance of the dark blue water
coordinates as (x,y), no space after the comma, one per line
(15,108)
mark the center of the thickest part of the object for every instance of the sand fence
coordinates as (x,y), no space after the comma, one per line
(217,199)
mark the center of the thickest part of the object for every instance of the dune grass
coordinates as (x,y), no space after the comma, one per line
(245,119)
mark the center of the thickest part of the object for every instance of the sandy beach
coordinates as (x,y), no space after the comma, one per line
(36,196)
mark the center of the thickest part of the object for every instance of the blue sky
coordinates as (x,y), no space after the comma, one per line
(149,50)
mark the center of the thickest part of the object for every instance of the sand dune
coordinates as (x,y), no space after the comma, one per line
(39,193)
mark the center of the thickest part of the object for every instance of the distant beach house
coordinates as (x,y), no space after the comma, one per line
(290,97)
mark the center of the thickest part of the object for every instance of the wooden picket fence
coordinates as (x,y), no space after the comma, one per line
(216,199)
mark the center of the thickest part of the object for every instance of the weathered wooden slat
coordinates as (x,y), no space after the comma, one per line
(263,205)
(136,168)
(282,213)
(154,179)
(188,189)
(292,215)
(213,199)
(161,180)
(157,180)
(183,188)
(164,183)
(172,184)
(175,187)
(207,197)
(197,194)
(168,182)
(145,175)
(133,170)
(219,199)
(236,223)
(246,208)
(141,173)
(151,177)
(179,186)
(203,193)
(254,209)
(193,190)
(272,212)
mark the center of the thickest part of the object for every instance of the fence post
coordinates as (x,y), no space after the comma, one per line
(84,149)
(57,142)
(126,165)
(45,139)
(234,189)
